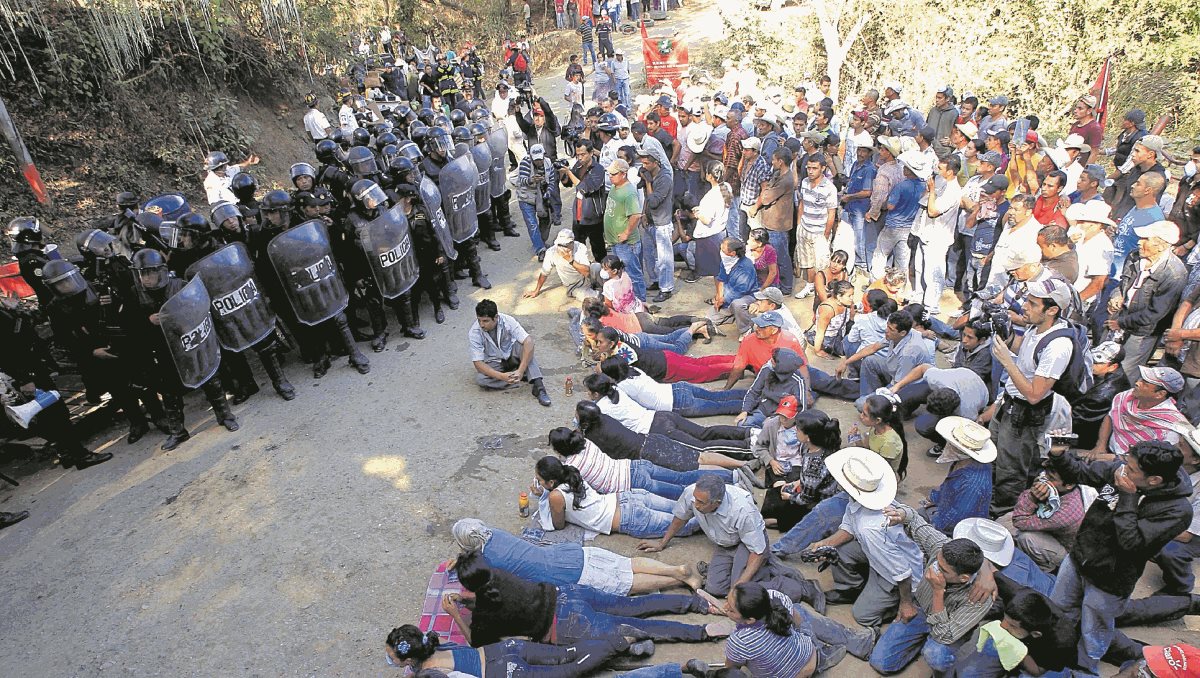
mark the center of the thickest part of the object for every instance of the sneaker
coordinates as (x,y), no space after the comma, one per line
(806,292)
(955,315)
(662,296)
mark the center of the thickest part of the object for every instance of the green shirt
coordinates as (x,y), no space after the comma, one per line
(622,203)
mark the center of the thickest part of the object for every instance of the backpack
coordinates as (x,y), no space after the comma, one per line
(1077,379)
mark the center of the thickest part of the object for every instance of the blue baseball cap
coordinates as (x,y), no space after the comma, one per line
(769,319)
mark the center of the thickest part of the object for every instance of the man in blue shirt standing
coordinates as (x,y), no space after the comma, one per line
(902,207)
(1146,211)
(856,200)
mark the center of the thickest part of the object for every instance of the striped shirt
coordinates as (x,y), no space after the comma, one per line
(766,654)
(1132,424)
(603,473)
(818,200)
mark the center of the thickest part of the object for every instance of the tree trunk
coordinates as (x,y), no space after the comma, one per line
(836,46)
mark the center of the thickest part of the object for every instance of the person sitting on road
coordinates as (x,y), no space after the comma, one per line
(664,366)
(771,299)
(502,352)
(966,490)
(1047,517)
(793,446)
(755,350)
(736,284)
(567,259)
(1145,412)
(780,377)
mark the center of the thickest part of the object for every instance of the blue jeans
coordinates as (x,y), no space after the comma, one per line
(647,516)
(657,671)
(659,257)
(588,613)
(529,211)
(677,341)
(696,401)
(687,250)
(824,383)
(893,244)
(733,227)
(1098,612)
(901,642)
(862,249)
(779,240)
(589,48)
(1025,572)
(819,523)
(1175,560)
(664,482)
(623,93)
(630,255)
(754,420)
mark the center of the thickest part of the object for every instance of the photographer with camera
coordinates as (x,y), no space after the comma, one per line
(586,176)
(534,188)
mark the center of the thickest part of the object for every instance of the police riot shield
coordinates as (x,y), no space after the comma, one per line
(498,143)
(186,323)
(303,258)
(432,198)
(457,183)
(483,185)
(388,245)
(242,314)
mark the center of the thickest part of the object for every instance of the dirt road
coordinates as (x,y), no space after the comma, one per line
(292,546)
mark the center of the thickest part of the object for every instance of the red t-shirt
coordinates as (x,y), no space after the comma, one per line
(670,124)
(1048,211)
(1092,134)
(755,352)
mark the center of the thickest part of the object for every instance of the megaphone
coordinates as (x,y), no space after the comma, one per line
(22,415)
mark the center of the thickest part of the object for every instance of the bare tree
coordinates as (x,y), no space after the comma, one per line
(830,16)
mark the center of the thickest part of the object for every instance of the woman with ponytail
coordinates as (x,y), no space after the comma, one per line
(418,652)
(712,216)
(775,639)
(564,497)
(884,431)
(832,320)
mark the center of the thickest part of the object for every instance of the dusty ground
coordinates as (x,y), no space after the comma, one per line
(292,546)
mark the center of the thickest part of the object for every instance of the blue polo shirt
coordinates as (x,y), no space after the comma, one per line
(903,203)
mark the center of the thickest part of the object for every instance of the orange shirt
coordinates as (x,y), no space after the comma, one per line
(878,285)
(755,352)
(626,322)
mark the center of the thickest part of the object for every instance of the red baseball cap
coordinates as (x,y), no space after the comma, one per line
(788,406)
(1031,137)
(1172,661)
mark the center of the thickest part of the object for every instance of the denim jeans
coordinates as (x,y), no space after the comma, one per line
(892,244)
(529,211)
(677,341)
(819,523)
(862,249)
(687,251)
(1175,561)
(647,516)
(659,257)
(1025,572)
(779,240)
(1098,612)
(733,226)
(664,482)
(589,48)
(696,401)
(588,613)
(631,256)
(941,328)
(656,671)
(875,372)
(623,93)
(901,642)
(560,19)
(754,420)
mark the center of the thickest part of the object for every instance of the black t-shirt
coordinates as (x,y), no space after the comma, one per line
(653,362)
(664,138)
(429,80)
(615,440)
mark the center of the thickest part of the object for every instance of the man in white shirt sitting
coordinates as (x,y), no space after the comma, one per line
(570,265)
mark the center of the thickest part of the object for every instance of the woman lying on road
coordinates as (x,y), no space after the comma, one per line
(407,647)
(682,398)
(619,442)
(603,390)
(571,563)
(607,475)
(641,321)
(664,366)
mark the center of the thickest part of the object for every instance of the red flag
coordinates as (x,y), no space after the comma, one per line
(1100,91)
(666,59)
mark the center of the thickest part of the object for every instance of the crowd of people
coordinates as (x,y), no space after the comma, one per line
(1029,306)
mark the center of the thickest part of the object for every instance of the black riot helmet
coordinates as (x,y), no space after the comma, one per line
(409,116)
(426,116)
(479,114)
(25,233)
(402,112)
(303,169)
(479,132)
(189,231)
(63,278)
(369,194)
(327,151)
(385,139)
(223,212)
(341,138)
(404,170)
(462,135)
(381,127)
(244,186)
(361,162)
(458,118)
(410,150)
(388,152)
(274,207)
(443,122)
(147,224)
(96,243)
(150,269)
(419,133)
(440,143)
(127,200)
(215,160)
(360,137)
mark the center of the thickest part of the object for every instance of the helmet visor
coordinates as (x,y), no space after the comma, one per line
(152,277)
(68,284)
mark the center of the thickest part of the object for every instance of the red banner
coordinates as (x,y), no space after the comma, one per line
(1100,91)
(665,58)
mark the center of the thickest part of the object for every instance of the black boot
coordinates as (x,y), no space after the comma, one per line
(438,316)
(539,392)
(176,433)
(410,319)
(379,323)
(274,371)
(137,430)
(357,359)
(503,215)
(321,366)
(82,458)
(220,406)
(10,519)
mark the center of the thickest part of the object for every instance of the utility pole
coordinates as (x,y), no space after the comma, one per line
(21,153)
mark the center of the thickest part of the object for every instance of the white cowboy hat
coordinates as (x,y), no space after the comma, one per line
(990,536)
(917,163)
(1193,438)
(697,137)
(973,439)
(866,476)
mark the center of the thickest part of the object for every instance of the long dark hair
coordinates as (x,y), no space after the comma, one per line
(588,413)
(753,602)
(604,385)
(497,593)
(614,368)
(594,307)
(822,431)
(420,646)
(881,407)
(551,470)
(566,442)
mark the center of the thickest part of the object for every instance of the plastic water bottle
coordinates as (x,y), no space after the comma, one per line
(523,504)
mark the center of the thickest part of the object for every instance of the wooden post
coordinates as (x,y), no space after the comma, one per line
(24,161)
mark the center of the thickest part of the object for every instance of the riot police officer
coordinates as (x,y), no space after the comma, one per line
(228,224)
(189,240)
(304,177)
(244,187)
(28,244)
(156,286)
(439,153)
(431,257)
(498,195)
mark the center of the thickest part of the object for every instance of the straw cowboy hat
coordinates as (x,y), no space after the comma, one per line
(973,439)
(697,137)
(866,476)
(991,537)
